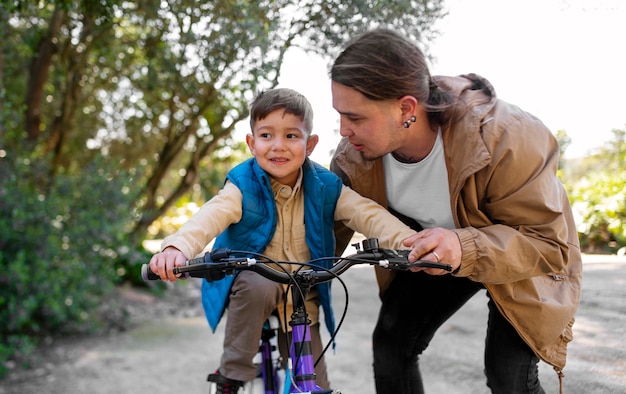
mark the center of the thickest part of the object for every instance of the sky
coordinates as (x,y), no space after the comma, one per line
(564,61)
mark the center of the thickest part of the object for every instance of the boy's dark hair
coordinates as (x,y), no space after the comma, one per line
(291,101)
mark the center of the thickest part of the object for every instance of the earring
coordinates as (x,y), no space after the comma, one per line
(407,124)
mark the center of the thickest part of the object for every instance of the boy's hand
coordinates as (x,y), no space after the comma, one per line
(163,263)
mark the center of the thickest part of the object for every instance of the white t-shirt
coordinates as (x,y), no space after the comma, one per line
(420,190)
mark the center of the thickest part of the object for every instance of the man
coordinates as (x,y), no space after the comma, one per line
(479,176)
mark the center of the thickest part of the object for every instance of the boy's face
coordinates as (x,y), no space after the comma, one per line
(280,144)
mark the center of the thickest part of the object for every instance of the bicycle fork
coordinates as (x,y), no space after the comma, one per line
(301,354)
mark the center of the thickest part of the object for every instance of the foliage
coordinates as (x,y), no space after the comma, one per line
(564,141)
(166,82)
(600,201)
(58,251)
(598,193)
(210,181)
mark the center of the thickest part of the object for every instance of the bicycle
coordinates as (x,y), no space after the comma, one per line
(300,374)
(269,362)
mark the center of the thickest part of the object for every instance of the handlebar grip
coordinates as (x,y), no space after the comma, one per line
(147,274)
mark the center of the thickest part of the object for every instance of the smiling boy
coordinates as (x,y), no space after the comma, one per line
(283,205)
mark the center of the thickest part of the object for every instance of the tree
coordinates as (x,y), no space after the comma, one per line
(112,110)
(159,86)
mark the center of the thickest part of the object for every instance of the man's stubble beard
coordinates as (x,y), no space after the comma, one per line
(370,157)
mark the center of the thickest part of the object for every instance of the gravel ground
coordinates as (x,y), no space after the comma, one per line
(170,348)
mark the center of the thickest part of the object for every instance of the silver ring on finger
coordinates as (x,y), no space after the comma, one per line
(436,256)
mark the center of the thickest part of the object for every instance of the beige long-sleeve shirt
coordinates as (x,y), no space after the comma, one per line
(356,212)
(288,243)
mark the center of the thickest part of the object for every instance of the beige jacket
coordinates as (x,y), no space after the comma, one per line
(512,214)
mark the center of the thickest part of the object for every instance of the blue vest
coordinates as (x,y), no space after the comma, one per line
(256,228)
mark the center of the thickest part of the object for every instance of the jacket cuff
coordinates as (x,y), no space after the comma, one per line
(467,237)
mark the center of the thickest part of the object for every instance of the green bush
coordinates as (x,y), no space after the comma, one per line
(599,200)
(60,252)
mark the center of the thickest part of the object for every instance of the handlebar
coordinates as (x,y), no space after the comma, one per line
(216,264)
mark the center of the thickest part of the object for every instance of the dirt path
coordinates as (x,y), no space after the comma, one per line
(173,353)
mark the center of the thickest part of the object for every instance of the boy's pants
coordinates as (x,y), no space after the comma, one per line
(252,300)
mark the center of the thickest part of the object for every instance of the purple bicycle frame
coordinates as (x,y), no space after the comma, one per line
(301,354)
(267,372)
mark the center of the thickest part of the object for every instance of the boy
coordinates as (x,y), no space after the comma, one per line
(283,205)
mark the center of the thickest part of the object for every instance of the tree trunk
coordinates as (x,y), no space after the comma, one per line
(38,76)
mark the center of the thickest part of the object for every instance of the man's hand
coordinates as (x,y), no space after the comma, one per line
(435,244)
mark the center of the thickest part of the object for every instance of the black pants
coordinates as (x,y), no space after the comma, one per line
(414,307)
